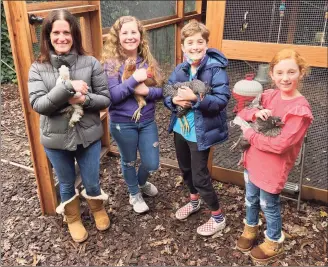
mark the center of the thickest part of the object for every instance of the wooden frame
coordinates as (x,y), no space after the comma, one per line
(256,51)
(315,56)
(21,35)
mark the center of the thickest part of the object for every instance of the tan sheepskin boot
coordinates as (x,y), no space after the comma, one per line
(71,211)
(96,205)
(268,250)
(249,236)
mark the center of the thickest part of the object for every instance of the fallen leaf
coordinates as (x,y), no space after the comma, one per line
(314,227)
(162,242)
(159,228)
(290,245)
(226,230)
(298,230)
(21,261)
(6,245)
(305,243)
(323,213)
(36,260)
(179,181)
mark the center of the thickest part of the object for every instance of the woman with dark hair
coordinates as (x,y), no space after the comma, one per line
(63,77)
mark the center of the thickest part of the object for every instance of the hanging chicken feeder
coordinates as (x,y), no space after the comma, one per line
(245,91)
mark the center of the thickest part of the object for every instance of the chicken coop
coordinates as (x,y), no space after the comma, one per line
(249,33)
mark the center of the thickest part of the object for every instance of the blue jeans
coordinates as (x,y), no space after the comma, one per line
(130,137)
(257,198)
(88,159)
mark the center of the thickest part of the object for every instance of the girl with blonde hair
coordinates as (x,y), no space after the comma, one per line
(129,64)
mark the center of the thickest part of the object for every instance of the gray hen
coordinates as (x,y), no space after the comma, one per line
(197,86)
(270,127)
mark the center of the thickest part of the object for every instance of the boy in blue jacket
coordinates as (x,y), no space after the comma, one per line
(206,118)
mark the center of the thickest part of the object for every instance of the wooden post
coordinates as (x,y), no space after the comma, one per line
(19,33)
(86,36)
(215,13)
(199,6)
(96,30)
(180,12)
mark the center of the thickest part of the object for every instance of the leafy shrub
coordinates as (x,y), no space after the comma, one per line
(7,73)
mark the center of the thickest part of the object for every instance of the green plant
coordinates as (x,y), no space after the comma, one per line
(8,73)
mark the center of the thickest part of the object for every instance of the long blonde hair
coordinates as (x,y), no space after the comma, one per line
(113,51)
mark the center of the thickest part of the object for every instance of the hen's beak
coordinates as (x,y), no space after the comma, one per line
(279,123)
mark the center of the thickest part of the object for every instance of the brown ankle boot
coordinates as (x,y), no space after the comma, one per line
(71,210)
(268,250)
(96,205)
(248,237)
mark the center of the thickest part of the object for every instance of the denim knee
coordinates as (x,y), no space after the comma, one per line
(150,166)
(128,164)
(252,200)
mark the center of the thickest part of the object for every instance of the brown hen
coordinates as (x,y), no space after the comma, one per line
(129,69)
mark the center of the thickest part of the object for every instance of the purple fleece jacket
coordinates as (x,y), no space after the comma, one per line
(122,95)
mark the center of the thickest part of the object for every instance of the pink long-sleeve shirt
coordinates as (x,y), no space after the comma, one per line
(270,159)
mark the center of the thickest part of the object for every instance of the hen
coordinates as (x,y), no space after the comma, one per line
(129,69)
(198,88)
(74,112)
(270,127)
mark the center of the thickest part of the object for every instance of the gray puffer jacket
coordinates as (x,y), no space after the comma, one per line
(48,99)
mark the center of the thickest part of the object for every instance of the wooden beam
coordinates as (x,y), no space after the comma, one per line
(180,12)
(215,14)
(155,24)
(264,52)
(74,10)
(237,178)
(105,139)
(161,24)
(199,6)
(86,33)
(19,33)
(96,30)
(53,5)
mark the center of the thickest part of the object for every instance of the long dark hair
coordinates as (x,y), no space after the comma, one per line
(45,42)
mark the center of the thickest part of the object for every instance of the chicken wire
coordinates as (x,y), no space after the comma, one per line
(314,88)
(273,21)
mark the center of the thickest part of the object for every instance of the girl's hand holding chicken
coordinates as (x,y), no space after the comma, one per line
(264,114)
(140,75)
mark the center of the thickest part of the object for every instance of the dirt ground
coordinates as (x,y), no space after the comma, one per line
(152,239)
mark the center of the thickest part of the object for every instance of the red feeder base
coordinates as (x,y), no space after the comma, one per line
(242,101)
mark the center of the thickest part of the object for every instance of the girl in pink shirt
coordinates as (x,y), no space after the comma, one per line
(269,160)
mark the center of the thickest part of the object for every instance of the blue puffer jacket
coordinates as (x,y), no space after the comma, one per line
(210,113)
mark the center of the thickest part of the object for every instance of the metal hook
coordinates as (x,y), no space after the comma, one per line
(32,19)
(245,15)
